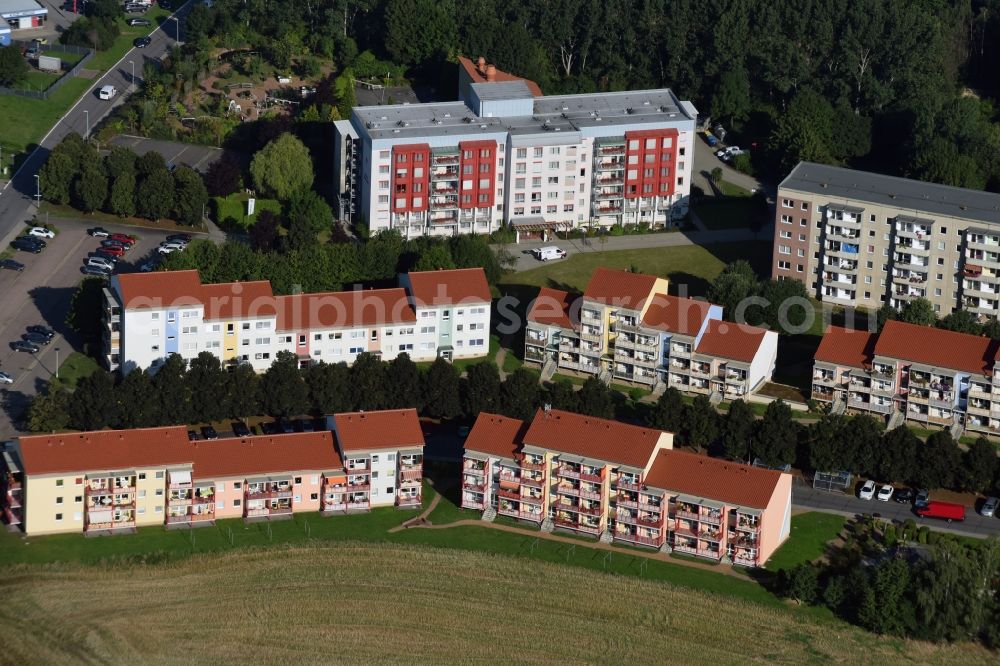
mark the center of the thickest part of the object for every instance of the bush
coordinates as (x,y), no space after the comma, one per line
(889,536)
(742,164)
(922,534)
(616,230)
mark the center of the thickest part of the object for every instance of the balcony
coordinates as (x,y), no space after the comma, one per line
(567,472)
(474,487)
(509,494)
(626,502)
(409,500)
(653,542)
(273,493)
(474,467)
(411,473)
(527,480)
(361,487)
(567,489)
(532,466)
(522,515)
(626,483)
(359,469)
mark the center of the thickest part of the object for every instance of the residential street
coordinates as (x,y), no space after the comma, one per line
(705,160)
(17,197)
(849,505)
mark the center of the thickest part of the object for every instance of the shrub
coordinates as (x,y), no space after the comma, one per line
(922,534)
(616,230)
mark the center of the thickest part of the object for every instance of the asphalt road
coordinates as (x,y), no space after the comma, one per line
(41,294)
(17,198)
(849,505)
(198,158)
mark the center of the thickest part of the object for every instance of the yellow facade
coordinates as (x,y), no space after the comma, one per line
(230,343)
(150,497)
(51,504)
(660,288)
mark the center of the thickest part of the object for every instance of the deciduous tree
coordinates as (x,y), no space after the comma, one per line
(282,387)
(405,383)
(481,389)
(737,430)
(441,399)
(282,168)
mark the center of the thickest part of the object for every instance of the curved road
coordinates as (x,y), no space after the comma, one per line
(17,199)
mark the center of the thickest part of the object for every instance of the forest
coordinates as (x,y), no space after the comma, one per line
(899,86)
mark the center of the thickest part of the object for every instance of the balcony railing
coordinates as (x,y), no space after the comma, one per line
(271,494)
(411,474)
(624,484)
(655,542)
(534,467)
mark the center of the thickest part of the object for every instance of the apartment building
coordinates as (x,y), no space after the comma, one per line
(507,154)
(623,483)
(562,470)
(719,509)
(626,327)
(114,481)
(149,316)
(930,376)
(864,239)
(383,454)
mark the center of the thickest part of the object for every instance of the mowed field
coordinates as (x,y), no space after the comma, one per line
(388,603)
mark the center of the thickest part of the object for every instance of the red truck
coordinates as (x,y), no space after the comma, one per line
(943,510)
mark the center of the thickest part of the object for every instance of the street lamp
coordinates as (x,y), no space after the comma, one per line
(38,191)
(132,80)
(57,362)
(86,113)
(177,29)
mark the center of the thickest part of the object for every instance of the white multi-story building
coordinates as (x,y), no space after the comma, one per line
(505,153)
(149,316)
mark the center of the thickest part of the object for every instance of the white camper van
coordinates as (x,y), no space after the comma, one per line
(107,92)
(548,252)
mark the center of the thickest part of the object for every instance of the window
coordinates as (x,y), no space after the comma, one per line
(868,279)
(784,265)
(59,517)
(355,350)
(78,515)
(59,482)
(59,500)
(786,219)
(784,249)
(868,294)
(375,474)
(155,316)
(159,475)
(786,234)
(388,491)
(942,245)
(159,492)
(940,276)
(944,230)
(221,504)
(142,494)
(937,292)
(79,499)
(786,203)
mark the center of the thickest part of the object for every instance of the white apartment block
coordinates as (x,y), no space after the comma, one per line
(149,316)
(507,154)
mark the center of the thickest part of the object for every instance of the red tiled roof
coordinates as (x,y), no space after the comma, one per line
(496,435)
(736,342)
(936,347)
(590,437)
(551,306)
(265,454)
(479,77)
(620,288)
(160,288)
(237,300)
(450,287)
(846,347)
(386,429)
(676,315)
(105,450)
(712,478)
(371,307)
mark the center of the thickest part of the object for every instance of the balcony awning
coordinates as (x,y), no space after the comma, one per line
(844,208)
(335,474)
(537,224)
(180,477)
(105,475)
(8,460)
(567,458)
(100,516)
(700,501)
(907,219)
(271,479)
(749,511)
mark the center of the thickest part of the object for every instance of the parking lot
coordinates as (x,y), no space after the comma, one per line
(198,158)
(41,294)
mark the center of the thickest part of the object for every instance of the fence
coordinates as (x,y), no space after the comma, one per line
(61,81)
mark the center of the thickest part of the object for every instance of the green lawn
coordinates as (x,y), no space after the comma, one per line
(68,59)
(691,265)
(733,190)
(76,367)
(810,534)
(235,206)
(37,81)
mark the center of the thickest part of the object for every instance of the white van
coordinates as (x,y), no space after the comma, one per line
(107,92)
(548,252)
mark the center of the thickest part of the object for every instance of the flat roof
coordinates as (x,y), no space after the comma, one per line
(564,113)
(893,191)
(19,6)
(502,90)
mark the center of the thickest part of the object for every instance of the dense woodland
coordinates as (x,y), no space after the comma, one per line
(900,86)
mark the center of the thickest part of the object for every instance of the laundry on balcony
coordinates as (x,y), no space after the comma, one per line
(849,248)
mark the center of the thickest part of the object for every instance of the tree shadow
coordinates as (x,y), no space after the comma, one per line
(688,285)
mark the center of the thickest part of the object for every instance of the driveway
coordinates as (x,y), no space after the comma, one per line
(198,158)
(41,294)
(705,160)
(849,505)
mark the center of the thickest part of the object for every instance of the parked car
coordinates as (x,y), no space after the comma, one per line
(25,245)
(885,493)
(33,51)
(100,262)
(148,266)
(34,240)
(36,339)
(285,427)
(139,21)
(42,330)
(867,490)
(141,42)
(179,238)
(240,429)
(173,246)
(904,496)
(97,271)
(113,242)
(208,432)
(114,250)
(948,511)
(123,238)
(107,92)
(98,232)
(11,265)
(463,431)
(102,254)
(165,249)
(192,436)
(307,425)
(548,252)
(5,378)
(41,232)
(25,346)
(923,498)
(989,507)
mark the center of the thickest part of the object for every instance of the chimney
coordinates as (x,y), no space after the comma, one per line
(481,65)
(491,73)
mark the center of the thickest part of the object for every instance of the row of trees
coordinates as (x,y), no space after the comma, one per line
(856,444)
(13,66)
(121,183)
(333,266)
(874,581)
(920,311)
(97,28)
(204,391)
(781,305)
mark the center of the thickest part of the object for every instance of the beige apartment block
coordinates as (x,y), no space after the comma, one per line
(865,239)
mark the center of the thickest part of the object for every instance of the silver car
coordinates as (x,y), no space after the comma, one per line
(989,507)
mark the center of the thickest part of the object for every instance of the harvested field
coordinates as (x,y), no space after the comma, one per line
(366,603)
